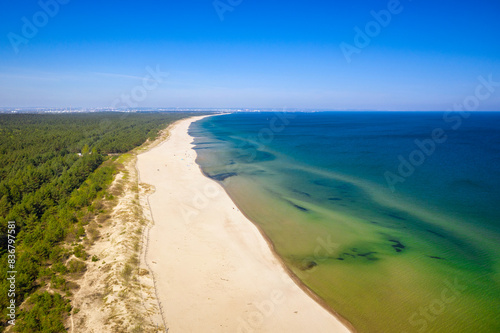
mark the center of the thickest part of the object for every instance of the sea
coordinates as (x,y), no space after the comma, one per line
(391,218)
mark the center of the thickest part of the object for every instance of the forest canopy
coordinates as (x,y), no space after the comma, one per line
(51,167)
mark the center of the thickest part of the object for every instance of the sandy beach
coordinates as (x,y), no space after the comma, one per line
(214,270)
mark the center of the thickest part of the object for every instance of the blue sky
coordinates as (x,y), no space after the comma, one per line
(263,54)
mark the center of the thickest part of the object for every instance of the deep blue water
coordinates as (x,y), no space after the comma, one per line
(456,172)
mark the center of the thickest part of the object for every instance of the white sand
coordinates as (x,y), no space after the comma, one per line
(214,270)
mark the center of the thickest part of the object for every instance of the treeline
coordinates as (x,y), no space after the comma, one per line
(52,170)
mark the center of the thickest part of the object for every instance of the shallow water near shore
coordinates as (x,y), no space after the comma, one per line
(415,255)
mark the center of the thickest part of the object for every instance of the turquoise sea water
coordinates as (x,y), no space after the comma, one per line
(392,218)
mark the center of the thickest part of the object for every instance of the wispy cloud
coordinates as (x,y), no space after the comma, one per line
(126,76)
(9,74)
(29,77)
(28,74)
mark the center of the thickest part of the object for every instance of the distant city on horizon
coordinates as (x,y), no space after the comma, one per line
(38,110)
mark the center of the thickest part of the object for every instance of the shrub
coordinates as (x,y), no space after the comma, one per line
(79,252)
(76,266)
(58,282)
(127,272)
(46,314)
(59,268)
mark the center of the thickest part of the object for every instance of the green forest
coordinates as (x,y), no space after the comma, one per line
(53,168)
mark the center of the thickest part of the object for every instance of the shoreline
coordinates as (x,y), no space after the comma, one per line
(208,256)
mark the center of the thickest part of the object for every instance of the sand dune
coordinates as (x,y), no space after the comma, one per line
(214,270)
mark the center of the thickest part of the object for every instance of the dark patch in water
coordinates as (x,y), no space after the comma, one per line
(304,264)
(300,208)
(301,192)
(334,199)
(469,251)
(469,183)
(222,176)
(344,187)
(397,217)
(265,156)
(434,257)
(310,265)
(366,254)
(397,246)
(322,182)
(435,233)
